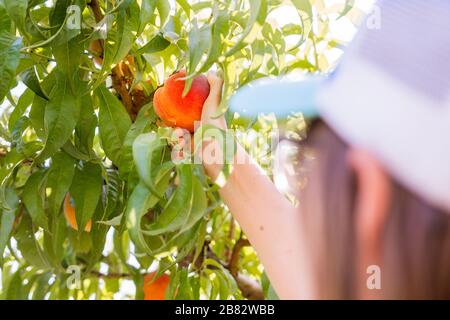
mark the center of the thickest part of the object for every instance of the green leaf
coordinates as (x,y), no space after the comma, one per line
(23,103)
(30,79)
(5,22)
(59,180)
(177,210)
(303,5)
(85,128)
(86,190)
(28,245)
(156,44)
(219,31)
(9,53)
(54,240)
(137,207)
(199,205)
(37,111)
(141,124)
(7,220)
(41,286)
(124,37)
(147,149)
(140,201)
(147,10)
(258,14)
(114,123)
(163,7)
(67,56)
(349,4)
(17,10)
(34,197)
(199,42)
(60,118)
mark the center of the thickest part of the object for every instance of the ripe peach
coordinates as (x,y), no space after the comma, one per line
(155,290)
(178,111)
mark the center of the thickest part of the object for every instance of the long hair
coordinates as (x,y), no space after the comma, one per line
(415,241)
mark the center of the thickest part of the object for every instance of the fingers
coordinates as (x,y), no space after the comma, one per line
(215,90)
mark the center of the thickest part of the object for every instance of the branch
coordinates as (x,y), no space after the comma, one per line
(121,74)
(96,10)
(235,255)
(250,288)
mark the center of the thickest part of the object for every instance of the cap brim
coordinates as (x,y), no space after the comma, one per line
(279,95)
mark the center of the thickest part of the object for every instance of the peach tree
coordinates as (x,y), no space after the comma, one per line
(90,199)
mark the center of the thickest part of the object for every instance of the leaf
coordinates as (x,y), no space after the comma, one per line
(37,111)
(163,7)
(219,31)
(42,286)
(258,14)
(124,37)
(85,128)
(54,240)
(114,123)
(85,190)
(156,44)
(23,103)
(60,117)
(349,4)
(9,53)
(199,40)
(5,22)
(147,150)
(30,79)
(34,197)
(7,220)
(147,10)
(28,245)
(17,10)
(303,5)
(16,288)
(67,56)
(199,205)
(59,180)
(141,124)
(177,210)
(140,201)
(137,207)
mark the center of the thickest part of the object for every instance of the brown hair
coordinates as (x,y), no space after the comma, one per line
(415,243)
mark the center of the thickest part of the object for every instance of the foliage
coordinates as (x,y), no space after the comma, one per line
(83,123)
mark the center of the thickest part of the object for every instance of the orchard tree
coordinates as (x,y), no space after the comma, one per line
(92,204)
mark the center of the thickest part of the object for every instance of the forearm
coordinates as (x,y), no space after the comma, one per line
(269,220)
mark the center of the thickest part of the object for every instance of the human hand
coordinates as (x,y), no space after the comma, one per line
(212,103)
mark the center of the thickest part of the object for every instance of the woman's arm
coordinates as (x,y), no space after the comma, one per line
(268,219)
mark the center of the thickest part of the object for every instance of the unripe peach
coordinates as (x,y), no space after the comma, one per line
(176,110)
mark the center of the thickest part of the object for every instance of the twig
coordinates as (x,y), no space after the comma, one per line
(235,255)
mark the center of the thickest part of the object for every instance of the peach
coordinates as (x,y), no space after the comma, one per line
(176,110)
(155,289)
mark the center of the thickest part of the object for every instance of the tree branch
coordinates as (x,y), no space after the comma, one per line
(96,10)
(121,74)
(235,255)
